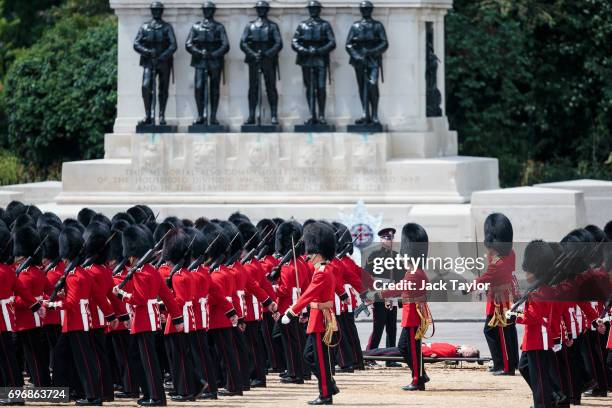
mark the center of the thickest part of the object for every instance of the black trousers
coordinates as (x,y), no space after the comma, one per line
(383,319)
(98,343)
(410,349)
(344,352)
(353,339)
(274,345)
(36,355)
(227,354)
(594,359)
(153,382)
(564,372)
(52,333)
(128,361)
(85,362)
(290,335)
(503,345)
(181,364)
(256,350)
(245,362)
(534,367)
(317,356)
(10,374)
(205,370)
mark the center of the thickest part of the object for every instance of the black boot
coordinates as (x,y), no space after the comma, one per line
(321,401)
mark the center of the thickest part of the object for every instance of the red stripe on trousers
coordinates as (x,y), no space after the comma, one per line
(415,371)
(321,359)
(502,339)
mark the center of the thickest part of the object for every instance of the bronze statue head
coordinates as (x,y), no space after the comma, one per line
(157,9)
(209,9)
(366,7)
(262,7)
(314,8)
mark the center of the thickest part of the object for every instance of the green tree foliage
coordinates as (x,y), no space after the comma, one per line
(60,95)
(528,81)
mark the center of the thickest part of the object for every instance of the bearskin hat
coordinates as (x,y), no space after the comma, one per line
(415,242)
(148,211)
(50,249)
(6,247)
(102,218)
(34,212)
(174,221)
(319,239)
(25,241)
(14,209)
(187,223)
(498,233)
(538,259)
(176,246)
(284,234)
(200,222)
(115,246)
(344,237)
(608,230)
(95,237)
(152,225)
(278,221)
(85,215)
(599,246)
(161,230)
(123,216)
(198,241)
(266,228)
(250,234)
(139,215)
(50,219)
(71,222)
(234,235)
(214,232)
(70,243)
(238,217)
(22,221)
(136,241)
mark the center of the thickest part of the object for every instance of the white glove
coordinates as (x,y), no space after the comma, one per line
(285,319)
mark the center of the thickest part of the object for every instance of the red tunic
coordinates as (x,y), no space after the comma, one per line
(78,288)
(339,272)
(259,291)
(320,290)
(288,290)
(183,289)
(413,297)
(201,283)
(220,300)
(10,288)
(102,288)
(120,308)
(35,280)
(439,350)
(538,335)
(146,286)
(499,274)
(53,317)
(353,284)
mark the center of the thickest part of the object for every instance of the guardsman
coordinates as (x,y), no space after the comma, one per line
(77,322)
(366,43)
(292,282)
(500,332)
(10,289)
(96,248)
(174,273)
(537,355)
(29,325)
(261,42)
(156,44)
(207,43)
(313,41)
(416,317)
(320,244)
(384,317)
(141,294)
(54,269)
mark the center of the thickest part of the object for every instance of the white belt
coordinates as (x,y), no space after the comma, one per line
(579,318)
(37,320)
(100,316)
(348,289)
(255,307)
(84,304)
(242,302)
(337,304)
(545,336)
(572,322)
(61,317)
(5,312)
(203,301)
(152,308)
(186,319)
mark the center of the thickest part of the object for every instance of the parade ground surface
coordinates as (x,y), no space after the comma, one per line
(469,386)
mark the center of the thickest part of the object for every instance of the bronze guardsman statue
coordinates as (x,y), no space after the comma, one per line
(156,45)
(313,41)
(207,43)
(261,43)
(366,43)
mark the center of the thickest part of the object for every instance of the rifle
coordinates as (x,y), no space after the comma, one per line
(143,260)
(262,244)
(275,272)
(92,258)
(119,267)
(62,280)
(347,247)
(264,249)
(200,259)
(216,263)
(233,258)
(363,307)
(52,265)
(28,261)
